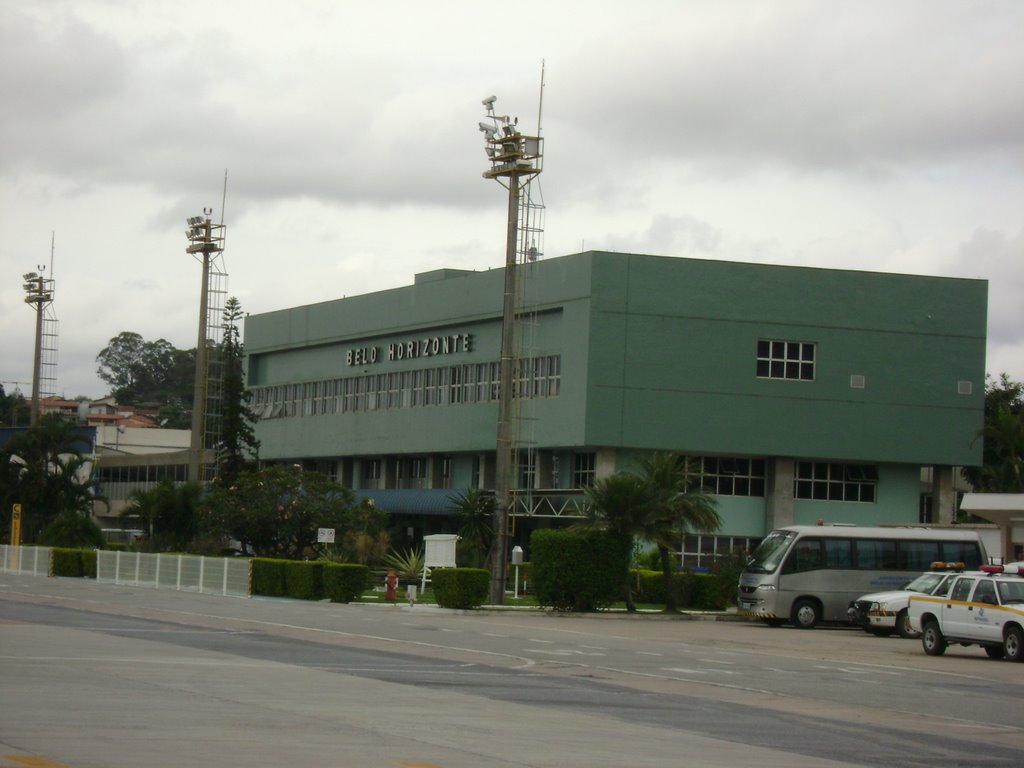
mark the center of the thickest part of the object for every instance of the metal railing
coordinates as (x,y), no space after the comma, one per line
(30,561)
(208,575)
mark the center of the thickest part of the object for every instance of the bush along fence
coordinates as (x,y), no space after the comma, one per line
(460,587)
(309,579)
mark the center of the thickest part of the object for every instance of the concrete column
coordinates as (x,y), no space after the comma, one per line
(604,463)
(545,469)
(779,502)
(943,495)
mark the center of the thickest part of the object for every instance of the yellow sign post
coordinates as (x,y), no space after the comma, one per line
(15,535)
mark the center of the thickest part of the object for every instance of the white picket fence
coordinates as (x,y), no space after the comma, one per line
(28,561)
(209,575)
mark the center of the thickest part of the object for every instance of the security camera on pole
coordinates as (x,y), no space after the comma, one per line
(515,160)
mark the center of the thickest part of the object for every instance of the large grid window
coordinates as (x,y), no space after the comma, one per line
(727,476)
(703,551)
(785,360)
(836,482)
(584,470)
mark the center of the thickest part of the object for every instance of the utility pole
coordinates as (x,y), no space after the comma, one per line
(205,239)
(515,159)
(38,292)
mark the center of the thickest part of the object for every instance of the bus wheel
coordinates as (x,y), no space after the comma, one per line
(806,614)
(932,640)
(903,625)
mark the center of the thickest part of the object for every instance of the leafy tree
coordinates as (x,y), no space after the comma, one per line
(151,372)
(1002,469)
(364,537)
(43,470)
(238,448)
(72,529)
(14,409)
(276,511)
(474,514)
(622,505)
(677,505)
(168,512)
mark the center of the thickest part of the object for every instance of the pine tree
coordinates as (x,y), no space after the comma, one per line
(239,448)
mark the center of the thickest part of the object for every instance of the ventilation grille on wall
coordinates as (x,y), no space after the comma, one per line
(857,381)
(964,388)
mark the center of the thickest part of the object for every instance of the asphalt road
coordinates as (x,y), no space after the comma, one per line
(101,675)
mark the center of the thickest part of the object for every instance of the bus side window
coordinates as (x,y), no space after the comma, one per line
(804,556)
(876,554)
(837,553)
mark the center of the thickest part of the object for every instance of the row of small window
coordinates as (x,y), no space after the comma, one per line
(814,480)
(704,551)
(813,553)
(785,360)
(537,377)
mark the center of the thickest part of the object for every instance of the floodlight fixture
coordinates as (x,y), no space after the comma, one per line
(30,275)
(489,101)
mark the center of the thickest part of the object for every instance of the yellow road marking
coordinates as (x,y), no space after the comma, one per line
(33,761)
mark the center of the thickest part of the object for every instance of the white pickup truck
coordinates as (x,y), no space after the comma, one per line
(983,607)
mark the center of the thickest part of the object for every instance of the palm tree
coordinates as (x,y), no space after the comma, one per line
(474,514)
(621,505)
(170,513)
(678,505)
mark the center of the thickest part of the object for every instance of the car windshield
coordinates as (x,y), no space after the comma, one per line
(1011,592)
(769,553)
(925,583)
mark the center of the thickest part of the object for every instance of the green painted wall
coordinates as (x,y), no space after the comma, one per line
(673,355)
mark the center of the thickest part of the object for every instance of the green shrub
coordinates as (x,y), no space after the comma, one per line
(304,579)
(89,563)
(268,577)
(578,570)
(344,582)
(693,591)
(460,587)
(66,562)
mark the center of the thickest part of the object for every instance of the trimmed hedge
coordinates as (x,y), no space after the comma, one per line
(67,562)
(304,579)
(344,582)
(268,577)
(460,587)
(695,591)
(578,570)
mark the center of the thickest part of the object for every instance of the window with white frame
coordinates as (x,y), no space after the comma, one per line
(584,470)
(836,482)
(792,360)
(729,476)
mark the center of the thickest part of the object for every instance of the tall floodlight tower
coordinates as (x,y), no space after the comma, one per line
(38,293)
(515,159)
(206,241)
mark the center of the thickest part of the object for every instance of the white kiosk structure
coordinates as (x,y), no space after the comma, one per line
(439,552)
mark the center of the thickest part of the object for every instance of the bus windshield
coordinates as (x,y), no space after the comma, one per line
(769,553)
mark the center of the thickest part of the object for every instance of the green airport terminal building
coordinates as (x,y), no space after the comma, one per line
(801,394)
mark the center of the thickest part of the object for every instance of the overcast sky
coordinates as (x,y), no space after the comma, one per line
(882,135)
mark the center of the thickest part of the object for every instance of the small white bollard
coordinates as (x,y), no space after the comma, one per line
(410,593)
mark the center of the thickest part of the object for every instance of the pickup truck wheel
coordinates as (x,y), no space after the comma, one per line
(806,614)
(932,641)
(1013,644)
(903,625)
(994,651)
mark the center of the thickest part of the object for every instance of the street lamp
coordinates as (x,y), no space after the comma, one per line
(205,240)
(515,159)
(38,292)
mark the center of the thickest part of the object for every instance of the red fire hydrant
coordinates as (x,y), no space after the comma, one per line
(391,584)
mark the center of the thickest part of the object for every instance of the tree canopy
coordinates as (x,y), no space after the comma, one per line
(1002,469)
(144,372)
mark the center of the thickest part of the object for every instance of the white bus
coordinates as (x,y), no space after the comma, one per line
(806,574)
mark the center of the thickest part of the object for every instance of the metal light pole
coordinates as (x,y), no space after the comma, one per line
(202,240)
(514,160)
(38,292)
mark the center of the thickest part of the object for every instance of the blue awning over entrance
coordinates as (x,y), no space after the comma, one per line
(411,501)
